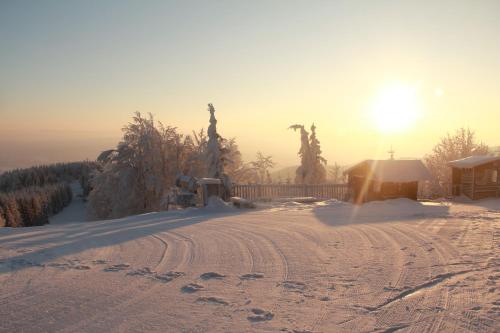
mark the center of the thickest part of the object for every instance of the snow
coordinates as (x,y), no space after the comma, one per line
(473,161)
(310,267)
(395,170)
(75,212)
(216,204)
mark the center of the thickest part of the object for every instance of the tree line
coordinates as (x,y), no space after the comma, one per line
(32,206)
(41,175)
(28,197)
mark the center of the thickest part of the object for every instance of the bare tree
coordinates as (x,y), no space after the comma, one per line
(451,147)
(262,165)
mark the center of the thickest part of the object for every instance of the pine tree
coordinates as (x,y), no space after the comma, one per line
(303,171)
(317,169)
(3,223)
(214,155)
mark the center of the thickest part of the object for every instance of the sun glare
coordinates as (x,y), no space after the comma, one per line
(396,108)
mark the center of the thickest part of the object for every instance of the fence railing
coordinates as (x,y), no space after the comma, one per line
(272,191)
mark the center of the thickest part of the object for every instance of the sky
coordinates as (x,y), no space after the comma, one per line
(72,73)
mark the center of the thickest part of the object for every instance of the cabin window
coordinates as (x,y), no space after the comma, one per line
(494,176)
(487,176)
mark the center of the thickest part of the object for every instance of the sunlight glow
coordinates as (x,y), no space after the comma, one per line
(396,108)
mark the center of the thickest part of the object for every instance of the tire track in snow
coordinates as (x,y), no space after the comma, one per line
(115,313)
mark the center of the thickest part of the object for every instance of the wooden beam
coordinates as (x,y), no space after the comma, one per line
(473,183)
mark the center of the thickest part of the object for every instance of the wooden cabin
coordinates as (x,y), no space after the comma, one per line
(373,180)
(476,177)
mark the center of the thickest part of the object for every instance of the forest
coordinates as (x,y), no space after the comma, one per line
(28,197)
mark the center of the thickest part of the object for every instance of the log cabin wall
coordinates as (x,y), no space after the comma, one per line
(486,181)
(466,181)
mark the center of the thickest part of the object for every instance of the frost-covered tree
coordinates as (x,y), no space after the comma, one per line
(261,165)
(214,159)
(317,171)
(217,155)
(303,171)
(33,205)
(336,173)
(451,147)
(234,167)
(3,222)
(137,174)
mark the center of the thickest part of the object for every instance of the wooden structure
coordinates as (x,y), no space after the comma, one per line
(386,179)
(210,187)
(276,191)
(476,177)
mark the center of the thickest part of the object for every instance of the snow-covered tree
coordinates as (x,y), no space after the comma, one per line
(214,159)
(217,154)
(451,147)
(261,165)
(138,173)
(317,171)
(3,222)
(303,171)
(336,173)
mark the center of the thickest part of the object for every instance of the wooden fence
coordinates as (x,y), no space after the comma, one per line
(272,191)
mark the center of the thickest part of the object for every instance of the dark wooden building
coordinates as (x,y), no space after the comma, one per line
(386,179)
(476,177)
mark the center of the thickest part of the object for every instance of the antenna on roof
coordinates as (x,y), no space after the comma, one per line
(391,152)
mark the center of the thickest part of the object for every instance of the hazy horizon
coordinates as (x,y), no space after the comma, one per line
(73,73)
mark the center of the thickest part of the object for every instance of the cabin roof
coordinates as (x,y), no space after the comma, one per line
(396,171)
(473,161)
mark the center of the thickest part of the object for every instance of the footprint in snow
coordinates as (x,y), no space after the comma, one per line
(167,277)
(252,276)
(212,300)
(116,268)
(260,315)
(211,275)
(293,285)
(191,288)
(70,264)
(81,267)
(146,271)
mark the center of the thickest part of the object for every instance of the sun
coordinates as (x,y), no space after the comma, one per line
(396,108)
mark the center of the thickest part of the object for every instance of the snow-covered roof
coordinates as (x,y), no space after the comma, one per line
(397,171)
(209,181)
(473,161)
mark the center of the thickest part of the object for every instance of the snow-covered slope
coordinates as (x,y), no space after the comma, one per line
(320,267)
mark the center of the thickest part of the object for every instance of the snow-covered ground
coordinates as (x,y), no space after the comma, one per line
(75,212)
(320,267)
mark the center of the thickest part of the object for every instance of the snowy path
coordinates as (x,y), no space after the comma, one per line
(75,211)
(303,268)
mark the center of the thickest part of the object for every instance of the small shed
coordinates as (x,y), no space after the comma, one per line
(386,179)
(476,176)
(210,187)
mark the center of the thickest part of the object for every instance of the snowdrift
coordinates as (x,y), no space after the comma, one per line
(334,211)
